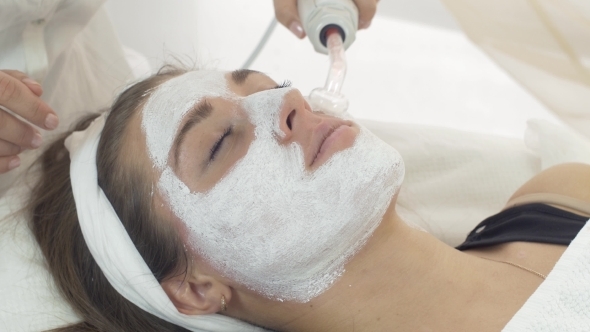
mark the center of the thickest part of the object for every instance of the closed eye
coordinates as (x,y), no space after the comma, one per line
(219,143)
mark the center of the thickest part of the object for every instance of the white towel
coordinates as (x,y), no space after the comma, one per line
(562,302)
(556,144)
(455,179)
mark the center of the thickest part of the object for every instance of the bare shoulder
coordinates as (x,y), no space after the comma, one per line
(571,179)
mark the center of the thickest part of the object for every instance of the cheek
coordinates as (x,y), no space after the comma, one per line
(195,260)
(166,215)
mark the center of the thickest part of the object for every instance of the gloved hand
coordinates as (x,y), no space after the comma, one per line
(20,94)
(287,14)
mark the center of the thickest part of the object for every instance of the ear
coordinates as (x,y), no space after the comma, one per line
(196,294)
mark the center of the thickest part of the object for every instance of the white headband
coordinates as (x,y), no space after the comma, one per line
(113,250)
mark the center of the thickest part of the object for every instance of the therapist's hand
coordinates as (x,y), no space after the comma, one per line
(20,94)
(287,14)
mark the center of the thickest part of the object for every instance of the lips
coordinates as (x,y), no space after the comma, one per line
(320,134)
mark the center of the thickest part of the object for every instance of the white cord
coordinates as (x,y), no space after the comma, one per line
(261,44)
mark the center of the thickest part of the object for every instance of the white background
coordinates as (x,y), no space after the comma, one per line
(412,65)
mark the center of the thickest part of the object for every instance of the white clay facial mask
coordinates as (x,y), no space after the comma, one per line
(269,224)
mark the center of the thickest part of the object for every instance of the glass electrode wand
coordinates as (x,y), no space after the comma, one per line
(331,27)
(329,97)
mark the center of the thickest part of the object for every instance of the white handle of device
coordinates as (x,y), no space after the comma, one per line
(318,16)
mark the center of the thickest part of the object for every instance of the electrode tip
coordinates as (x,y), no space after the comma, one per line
(321,99)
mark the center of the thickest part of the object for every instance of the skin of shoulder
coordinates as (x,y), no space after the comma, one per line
(569,179)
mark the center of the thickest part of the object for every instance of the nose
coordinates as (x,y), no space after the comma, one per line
(292,114)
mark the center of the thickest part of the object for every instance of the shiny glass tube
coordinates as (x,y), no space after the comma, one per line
(329,98)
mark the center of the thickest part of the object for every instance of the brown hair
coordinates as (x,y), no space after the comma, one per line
(55,225)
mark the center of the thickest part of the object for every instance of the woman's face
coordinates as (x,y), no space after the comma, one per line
(217,131)
(274,196)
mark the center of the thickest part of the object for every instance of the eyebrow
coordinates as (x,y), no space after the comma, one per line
(239,76)
(198,113)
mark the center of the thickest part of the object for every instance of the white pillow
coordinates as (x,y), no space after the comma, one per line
(30,300)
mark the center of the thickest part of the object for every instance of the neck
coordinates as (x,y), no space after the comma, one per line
(407,280)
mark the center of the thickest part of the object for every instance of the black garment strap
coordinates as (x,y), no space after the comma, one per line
(529,223)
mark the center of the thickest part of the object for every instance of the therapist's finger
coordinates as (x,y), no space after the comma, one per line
(9,163)
(17,97)
(33,85)
(17,132)
(367,10)
(287,14)
(8,149)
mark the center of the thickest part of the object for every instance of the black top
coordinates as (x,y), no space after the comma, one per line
(534,222)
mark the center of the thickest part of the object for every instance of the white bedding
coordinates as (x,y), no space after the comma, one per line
(30,301)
